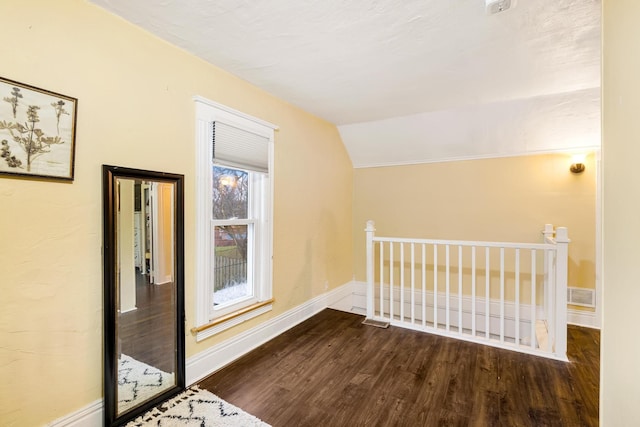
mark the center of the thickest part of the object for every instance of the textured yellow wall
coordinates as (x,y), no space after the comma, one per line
(502,199)
(136,110)
(620,354)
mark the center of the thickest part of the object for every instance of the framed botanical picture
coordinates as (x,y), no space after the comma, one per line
(37,132)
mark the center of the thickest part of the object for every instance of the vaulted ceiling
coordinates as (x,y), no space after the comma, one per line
(407,80)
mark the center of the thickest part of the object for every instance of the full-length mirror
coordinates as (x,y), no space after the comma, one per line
(143,290)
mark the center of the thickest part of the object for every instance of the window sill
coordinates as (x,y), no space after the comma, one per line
(232,319)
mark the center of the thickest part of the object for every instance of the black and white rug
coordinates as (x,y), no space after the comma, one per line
(200,408)
(137,382)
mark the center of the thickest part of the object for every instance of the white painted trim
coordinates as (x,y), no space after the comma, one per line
(233,322)
(89,416)
(207,112)
(202,215)
(218,356)
(164,280)
(587,319)
(343,298)
(230,110)
(599,246)
(475,157)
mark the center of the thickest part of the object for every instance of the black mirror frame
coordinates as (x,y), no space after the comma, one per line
(110,360)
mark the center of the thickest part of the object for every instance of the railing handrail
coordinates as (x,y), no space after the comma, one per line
(478,243)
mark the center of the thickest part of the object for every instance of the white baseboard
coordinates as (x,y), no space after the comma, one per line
(587,319)
(220,355)
(89,416)
(344,298)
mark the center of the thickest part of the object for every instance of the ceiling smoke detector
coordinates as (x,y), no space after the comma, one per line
(497,6)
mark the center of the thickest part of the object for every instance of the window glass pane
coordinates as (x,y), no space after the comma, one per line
(230,193)
(230,267)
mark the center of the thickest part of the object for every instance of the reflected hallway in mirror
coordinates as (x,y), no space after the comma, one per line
(144,329)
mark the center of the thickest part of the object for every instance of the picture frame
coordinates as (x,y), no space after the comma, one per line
(37,132)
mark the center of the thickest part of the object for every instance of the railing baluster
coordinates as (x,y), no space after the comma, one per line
(517,332)
(533,299)
(560,291)
(447,290)
(424,285)
(382,279)
(487,294)
(413,284)
(402,282)
(391,281)
(460,289)
(546,283)
(473,291)
(435,286)
(549,297)
(369,234)
(501,295)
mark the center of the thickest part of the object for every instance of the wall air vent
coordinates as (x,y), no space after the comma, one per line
(497,6)
(581,296)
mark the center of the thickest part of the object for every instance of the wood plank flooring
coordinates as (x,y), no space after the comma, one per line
(333,371)
(148,333)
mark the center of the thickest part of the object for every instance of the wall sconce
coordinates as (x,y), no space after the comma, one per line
(577,163)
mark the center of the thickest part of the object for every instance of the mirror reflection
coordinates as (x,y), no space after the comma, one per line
(146,290)
(143,249)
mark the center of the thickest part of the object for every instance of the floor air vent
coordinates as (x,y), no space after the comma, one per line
(582,297)
(376,323)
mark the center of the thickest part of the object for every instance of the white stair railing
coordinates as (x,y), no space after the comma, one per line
(504,294)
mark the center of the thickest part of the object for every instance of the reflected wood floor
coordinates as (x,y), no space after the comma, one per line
(148,333)
(333,371)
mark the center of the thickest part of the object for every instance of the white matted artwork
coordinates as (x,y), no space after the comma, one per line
(37,132)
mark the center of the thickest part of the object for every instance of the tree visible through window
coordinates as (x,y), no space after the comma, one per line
(233,229)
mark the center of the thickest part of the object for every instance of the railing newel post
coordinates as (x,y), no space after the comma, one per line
(370,232)
(562,260)
(547,237)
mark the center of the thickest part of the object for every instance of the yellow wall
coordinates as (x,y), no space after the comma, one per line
(166,233)
(136,110)
(502,199)
(620,354)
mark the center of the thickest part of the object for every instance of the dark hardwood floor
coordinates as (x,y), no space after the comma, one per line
(148,333)
(333,371)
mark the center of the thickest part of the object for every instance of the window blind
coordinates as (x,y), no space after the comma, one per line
(240,148)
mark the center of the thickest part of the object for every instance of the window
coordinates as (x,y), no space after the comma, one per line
(234,226)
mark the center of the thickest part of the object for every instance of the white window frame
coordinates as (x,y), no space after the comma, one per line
(208,321)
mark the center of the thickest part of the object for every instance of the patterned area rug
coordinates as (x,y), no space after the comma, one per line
(138,381)
(200,408)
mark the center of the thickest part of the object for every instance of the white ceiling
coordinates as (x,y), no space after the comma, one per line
(364,61)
